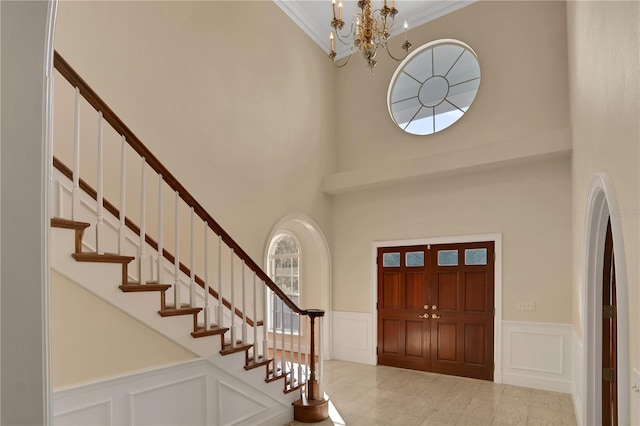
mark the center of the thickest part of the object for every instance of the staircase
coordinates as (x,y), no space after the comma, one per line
(147,267)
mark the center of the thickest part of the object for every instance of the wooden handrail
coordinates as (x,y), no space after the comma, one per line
(118,125)
(66,171)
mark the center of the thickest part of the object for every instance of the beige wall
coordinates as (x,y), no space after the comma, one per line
(521,48)
(92,339)
(529,205)
(231,96)
(523,98)
(604,75)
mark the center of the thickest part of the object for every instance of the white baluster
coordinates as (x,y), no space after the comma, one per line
(176,263)
(299,357)
(159,271)
(143,220)
(99,195)
(265,316)
(123,172)
(192,267)
(309,343)
(255,319)
(283,362)
(233,306)
(206,279)
(220,304)
(244,306)
(291,346)
(320,359)
(274,328)
(75,195)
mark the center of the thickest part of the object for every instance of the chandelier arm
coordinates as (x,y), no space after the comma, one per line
(345,63)
(406,52)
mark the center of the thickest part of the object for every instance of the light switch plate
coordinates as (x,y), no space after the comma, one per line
(526,306)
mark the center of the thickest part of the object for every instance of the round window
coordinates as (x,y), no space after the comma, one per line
(433,87)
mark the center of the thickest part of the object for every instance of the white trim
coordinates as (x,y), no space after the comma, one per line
(47,166)
(602,199)
(497,321)
(577,382)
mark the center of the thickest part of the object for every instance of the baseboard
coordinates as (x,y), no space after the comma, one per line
(352,338)
(537,355)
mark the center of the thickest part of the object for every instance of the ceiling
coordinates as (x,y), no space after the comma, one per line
(314,16)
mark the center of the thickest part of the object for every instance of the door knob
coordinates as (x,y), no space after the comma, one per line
(434,316)
(426,307)
(425,316)
(434,307)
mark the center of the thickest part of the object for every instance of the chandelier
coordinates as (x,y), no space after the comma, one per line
(370,30)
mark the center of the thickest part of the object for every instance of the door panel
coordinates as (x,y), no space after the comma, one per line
(475,292)
(413,290)
(414,339)
(403,336)
(446,347)
(391,336)
(447,291)
(463,292)
(435,308)
(391,290)
(474,349)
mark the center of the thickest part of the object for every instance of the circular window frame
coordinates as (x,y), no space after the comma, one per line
(440,95)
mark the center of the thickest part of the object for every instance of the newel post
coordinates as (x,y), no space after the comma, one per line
(312,383)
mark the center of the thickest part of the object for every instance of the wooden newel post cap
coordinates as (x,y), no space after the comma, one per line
(314,313)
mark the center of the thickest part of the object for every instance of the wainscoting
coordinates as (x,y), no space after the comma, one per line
(194,393)
(537,355)
(352,337)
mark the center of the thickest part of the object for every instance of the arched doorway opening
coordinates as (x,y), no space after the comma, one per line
(315,262)
(602,208)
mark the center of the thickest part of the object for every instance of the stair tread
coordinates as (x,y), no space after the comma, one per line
(58,222)
(103,258)
(134,287)
(251,364)
(170,312)
(213,330)
(227,350)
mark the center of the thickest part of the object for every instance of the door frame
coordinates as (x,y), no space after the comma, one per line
(603,204)
(497,303)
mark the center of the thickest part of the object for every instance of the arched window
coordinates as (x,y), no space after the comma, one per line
(284,267)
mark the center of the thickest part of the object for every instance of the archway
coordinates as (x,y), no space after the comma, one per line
(601,206)
(316,262)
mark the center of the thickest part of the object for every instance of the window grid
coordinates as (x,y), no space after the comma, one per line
(285,271)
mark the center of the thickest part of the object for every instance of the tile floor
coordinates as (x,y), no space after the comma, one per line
(379,395)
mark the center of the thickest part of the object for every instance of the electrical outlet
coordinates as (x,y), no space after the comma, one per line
(526,306)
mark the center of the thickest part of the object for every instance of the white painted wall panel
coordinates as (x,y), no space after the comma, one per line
(537,355)
(182,402)
(352,337)
(189,393)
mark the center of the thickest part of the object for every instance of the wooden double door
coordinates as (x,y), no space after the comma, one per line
(436,308)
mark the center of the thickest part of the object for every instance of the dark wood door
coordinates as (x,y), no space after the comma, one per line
(435,308)
(403,293)
(609,335)
(462,301)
